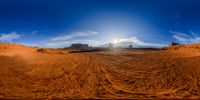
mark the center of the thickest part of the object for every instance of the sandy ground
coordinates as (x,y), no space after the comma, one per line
(26,73)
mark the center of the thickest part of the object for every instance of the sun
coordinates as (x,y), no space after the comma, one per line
(115,41)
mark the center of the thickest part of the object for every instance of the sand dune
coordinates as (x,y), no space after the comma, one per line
(26,72)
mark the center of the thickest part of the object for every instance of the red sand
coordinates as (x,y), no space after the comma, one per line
(26,72)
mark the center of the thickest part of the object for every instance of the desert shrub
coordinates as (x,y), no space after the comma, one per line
(41,50)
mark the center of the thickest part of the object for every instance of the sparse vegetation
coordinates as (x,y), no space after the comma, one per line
(41,50)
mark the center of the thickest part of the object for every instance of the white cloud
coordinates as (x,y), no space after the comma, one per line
(131,40)
(82,37)
(67,40)
(74,36)
(135,42)
(54,44)
(186,38)
(9,36)
(89,42)
(61,44)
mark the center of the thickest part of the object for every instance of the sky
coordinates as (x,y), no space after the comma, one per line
(59,23)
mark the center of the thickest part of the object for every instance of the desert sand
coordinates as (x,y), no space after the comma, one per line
(29,72)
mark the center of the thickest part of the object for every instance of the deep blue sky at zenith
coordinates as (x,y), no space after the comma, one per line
(58,23)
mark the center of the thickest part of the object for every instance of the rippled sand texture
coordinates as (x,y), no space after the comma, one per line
(55,73)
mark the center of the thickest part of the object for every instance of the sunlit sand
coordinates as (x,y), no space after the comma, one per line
(27,72)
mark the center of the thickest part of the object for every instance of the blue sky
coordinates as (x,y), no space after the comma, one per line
(58,23)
